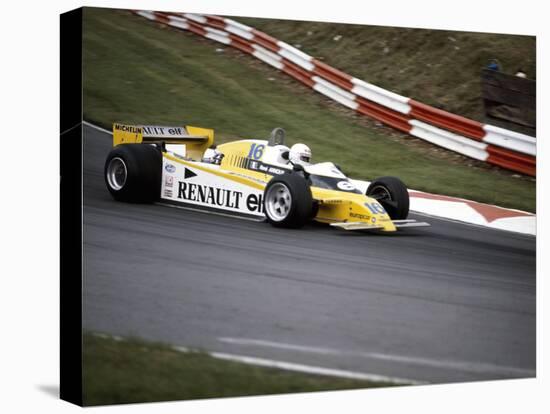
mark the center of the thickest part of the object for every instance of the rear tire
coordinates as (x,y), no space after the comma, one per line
(288,201)
(392,193)
(133,173)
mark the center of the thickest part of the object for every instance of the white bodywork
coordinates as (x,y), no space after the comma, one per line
(202,187)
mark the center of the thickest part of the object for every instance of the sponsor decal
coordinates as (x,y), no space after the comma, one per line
(359,216)
(168,193)
(255,203)
(170,168)
(219,197)
(209,195)
(275,170)
(169,181)
(345,186)
(265,168)
(163,131)
(128,128)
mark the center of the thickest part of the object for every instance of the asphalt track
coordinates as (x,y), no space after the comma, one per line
(447,303)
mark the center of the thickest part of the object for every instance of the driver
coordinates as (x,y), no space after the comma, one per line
(299,154)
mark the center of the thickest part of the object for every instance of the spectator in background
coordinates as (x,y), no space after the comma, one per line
(493,65)
(521,74)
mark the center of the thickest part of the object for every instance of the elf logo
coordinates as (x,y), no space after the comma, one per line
(254,203)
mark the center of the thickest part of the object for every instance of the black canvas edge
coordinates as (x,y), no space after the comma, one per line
(71,206)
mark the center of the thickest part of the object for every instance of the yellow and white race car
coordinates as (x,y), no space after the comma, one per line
(250,178)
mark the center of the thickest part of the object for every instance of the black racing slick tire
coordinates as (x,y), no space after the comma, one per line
(288,201)
(392,193)
(133,173)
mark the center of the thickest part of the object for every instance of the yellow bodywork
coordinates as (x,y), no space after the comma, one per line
(196,150)
(127,134)
(236,152)
(345,207)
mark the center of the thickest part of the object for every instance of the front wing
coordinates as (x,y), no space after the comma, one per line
(358,225)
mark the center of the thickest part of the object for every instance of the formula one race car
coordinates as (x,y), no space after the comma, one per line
(249,178)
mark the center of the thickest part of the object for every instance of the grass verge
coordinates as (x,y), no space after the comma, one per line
(132,370)
(136,71)
(437,67)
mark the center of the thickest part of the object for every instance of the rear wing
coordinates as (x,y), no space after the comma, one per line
(195,139)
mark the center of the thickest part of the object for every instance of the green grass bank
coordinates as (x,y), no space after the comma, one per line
(437,67)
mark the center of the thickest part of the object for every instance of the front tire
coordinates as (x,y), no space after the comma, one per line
(288,201)
(392,193)
(133,173)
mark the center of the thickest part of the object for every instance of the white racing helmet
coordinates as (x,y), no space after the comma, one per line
(299,154)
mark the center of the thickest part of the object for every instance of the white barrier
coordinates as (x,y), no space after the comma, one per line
(199,18)
(334,92)
(510,140)
(217,35)
(381,96)
(239,29)
(446,139)
(268,57)
(296,56)
(178,22)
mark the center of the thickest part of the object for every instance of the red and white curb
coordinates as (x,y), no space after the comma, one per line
(468,211)
(488,143)
(472,212)
(452,208)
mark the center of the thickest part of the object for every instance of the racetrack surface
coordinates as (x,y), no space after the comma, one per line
(447,303)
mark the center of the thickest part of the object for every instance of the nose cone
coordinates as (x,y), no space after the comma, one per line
(357,208)
(372,212)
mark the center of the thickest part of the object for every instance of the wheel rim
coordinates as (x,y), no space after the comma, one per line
(380,193)
(116,173)
(278,201)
